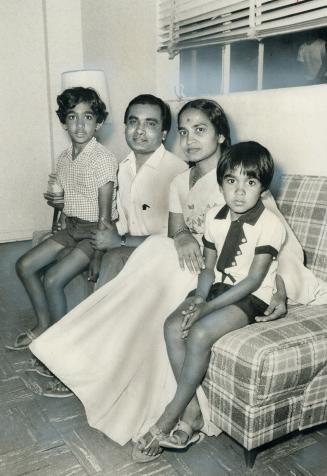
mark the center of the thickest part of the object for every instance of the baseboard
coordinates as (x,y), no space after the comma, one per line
(16,235)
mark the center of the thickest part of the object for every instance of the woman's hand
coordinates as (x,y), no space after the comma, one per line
(277,307)
(189,252)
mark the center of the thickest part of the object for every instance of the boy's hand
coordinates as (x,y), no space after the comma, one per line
(191,314)
(61,221)
(190,303)
(274,311)
(277,307)
(94,268)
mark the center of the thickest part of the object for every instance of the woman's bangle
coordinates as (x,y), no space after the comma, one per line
(198,296)
(180,230)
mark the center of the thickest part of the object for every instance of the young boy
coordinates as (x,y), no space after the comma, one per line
(245,234)
(87,173)
(241,244)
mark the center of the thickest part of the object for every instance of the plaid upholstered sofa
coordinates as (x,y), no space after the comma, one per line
(270,379)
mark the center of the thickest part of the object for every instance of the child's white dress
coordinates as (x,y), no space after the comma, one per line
(110,349)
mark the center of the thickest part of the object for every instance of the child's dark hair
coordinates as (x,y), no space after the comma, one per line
(254,160)
(73,96)
(152,101)
(215,114)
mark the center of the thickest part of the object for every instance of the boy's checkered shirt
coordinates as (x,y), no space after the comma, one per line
(81,179)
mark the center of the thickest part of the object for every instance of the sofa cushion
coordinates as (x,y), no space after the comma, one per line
(302,199)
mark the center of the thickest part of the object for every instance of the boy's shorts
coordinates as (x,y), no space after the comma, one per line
(75,235)
(251,305)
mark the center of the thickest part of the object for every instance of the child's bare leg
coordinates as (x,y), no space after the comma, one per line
(28,269)
(176,349)
(202,336)
(58,276)
(189,360)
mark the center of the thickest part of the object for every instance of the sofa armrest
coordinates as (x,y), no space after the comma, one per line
(266,361)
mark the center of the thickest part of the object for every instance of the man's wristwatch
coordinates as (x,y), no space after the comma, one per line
(123,240)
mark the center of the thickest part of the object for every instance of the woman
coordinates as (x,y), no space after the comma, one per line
(110,349)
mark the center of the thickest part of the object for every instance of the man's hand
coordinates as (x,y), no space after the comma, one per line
(189,252)
(106,239)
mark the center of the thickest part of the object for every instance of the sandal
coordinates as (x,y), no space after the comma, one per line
(18,344)
(138,454)
(39,368)
(174,441)
(56,389)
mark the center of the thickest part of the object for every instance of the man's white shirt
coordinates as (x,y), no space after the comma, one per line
(143,197)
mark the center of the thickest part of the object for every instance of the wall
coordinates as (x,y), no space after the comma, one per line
(25,142)
(42,38)
(38,40)
(291,122)
(64,44)
(119,37)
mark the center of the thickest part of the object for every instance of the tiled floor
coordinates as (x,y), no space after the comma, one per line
(50,437)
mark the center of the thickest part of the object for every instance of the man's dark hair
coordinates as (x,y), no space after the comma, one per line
(152,101)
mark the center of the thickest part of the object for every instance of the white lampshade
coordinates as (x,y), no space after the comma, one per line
(87,78)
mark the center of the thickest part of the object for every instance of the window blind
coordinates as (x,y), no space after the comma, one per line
(190,23)
(273,17)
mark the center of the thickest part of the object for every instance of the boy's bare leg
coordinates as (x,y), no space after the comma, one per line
(28,269)
(176,349)
(56,278)
(202,336)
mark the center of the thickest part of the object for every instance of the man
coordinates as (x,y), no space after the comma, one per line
(313,56)
(144,178)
